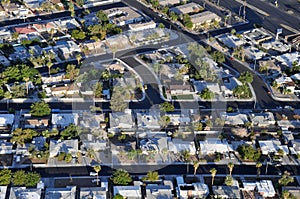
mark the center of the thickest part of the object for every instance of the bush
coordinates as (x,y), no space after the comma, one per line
(61,156)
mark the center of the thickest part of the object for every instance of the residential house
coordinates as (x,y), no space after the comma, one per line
(253,53)
(20,53)
(234,119)
(45,27)
(179,119)
(39,143)
(168,3)
(5,35)
(294,190)
(148,119)
(57,193)
(6,147)
(265,188)
(67,24)
(12,9)
(66,49)
(6,121)
(2,11)
(3,190)
(178,87)
(272,146)
(94,192)
(192,190)
(58,4)
(230,40)
(153,144)
(213,145)
(33,4)
(296,147)
(230,192)
(67,146)
(264,119)
(288,59)
(177,145)
(89,141)
(277,46)
(4,61)
(90,19)
(62,120)
(257,35)
(187,8)
(159,191)
(270,65)
(204,18)
(123,15)
(132,192)
(228,86)
(121,121)
(286,82)
(25,193)
(32,123)
(93,46)
(25,29)
(93,121)
(142,26)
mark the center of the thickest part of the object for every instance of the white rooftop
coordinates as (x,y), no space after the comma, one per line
(24,193)
(6,119)
(131,192)
(58,193)
(265,188)
(212,145)
(64,119)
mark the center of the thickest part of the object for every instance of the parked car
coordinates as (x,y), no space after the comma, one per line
(95,180)
(93,174)
(232,156)
(226,155)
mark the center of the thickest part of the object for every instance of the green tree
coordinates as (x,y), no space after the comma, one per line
(247,152)
(72,72)
(258,166)
(246,77)
(229,180)
(173,16)
(213,173)
(166,107)
(97,169)
(161,25)
(32,178)
(207,94)
(102,17)
(5,176)
(98,90)
(285,179)
(78,34)
(186,156)
(164,120)
(121,177)
(117,102)
(218,56)
(118,196)
(70,132)
(78,58)
(40,109)
(20,136)
(230,166)
(19,178)
(151,176)
(196,165)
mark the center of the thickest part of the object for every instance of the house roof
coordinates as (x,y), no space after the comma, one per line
(25,29)
(132,192)
(67,146)
(25,193)
(227,191)
(187,8)
(203,17)
(265,188)
(64,119)
(93,192)
(3,190)
(58,193)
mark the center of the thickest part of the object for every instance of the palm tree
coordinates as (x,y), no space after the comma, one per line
(213,172)
(258,165)
(285,194)
(26,79)
(49,65)
(230,166)
(196,166)
(97,169)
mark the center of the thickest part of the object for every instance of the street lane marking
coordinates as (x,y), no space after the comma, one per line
(253,8)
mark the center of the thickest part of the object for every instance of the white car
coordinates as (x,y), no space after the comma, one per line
(95,180)
(93,174)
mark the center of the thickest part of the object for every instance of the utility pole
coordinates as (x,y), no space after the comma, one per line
(245,10)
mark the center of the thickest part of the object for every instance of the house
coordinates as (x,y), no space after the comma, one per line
(148,119)
(121,120)
(67,24)
(93,46)
(20,53)
(286,82)
(295,191)
(272,146)
(90,20)
(270,65)
(66,146)
(154,144)
(39,143)
(234,119)
(2,11)
(257,35)
(66,49)
(58,4)
(202,18)
(93,121)
(193,190)
(178,145)
(159,191)
(33,4)
(187,8)
(6,147)
(230,40)
(253,53)
(179,119)
(5,35)
(168,3)
(32,123)
(12,9)
(3,190)
(25,193)
(62,120)
(45,27)
(6,121)
(230,192)
(265,188)
(228,86)
(213,145)
(288,59)
(90,141)
(94,192)
(142,26)
(276,45)
(178,87)
(132,192)
(25,29)
(123,16)
(264,119)
(57,193)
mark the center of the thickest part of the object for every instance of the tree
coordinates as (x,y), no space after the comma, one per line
(173,16)
(207,94)
(102,17)
(98,90)
(19,178)
(5,176)
(213,173)
(49,65)
(218,56)
(161,25)
(166,107)
(186,156)
(40,109)
(97,169)
(20,136)
(32,178)
(285,179)
(164,120)
(121,177)
(70,132)
(78,58)
(280,152)
(230,166)
(196,165)
(118,196)
(247,152)
(229,180)
(258,166)
(78,35)
(72,72)
(246,77)
(117,101)
(151,176)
